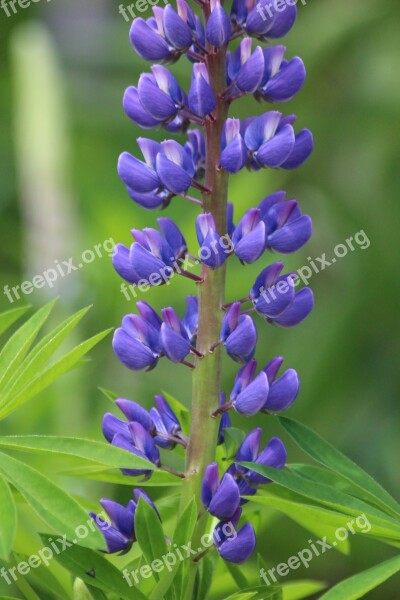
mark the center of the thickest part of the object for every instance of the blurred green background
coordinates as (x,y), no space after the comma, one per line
(64,66)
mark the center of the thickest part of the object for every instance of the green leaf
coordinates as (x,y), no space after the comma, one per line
(57,508)
(331,497)
(18,345)
(9,317)
(109,394)
(205,574)
(8,521)
(81,591)
(258,592)
(297,590)
(326,454)
(43,351)
(95,570)
(182,535)
(99,473)
(149,533)
(42,578)
(50,374)
(99,452)
(237,575)
(357,586)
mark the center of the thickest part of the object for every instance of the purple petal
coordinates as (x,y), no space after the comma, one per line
(252,245)
(276,299)
(234,155)
(210,484)
(248,450)
(131,352)
(168,416)
(283,392)
(176,30)
(122,518)
(226,499)
(146,264)
(122,264)
(173,176)
(147,42)
(292,236)
(285,85)
(241,344)
(136,174)
(158,103)
(135,111)
(266,279)
(218,29)
(303,147)
(111,426)
(251,73)
(201,98)
(276,151)
(253,398)
(243,378)
(174,345)
(274,455)
(298,310)
(134,412)
(239,549)
(272,369)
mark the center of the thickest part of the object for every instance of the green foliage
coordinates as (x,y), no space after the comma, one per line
(8,520)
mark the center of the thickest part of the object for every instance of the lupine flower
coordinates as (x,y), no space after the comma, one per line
(234,548)
(153,257)
(264,20)
(245,69)
(282,391)
(201,99)
(160,422)
(173,336)
(139,443)
(160,94)
(275,299)
(249,393)
(119,534)
(234,151)
(218,30)
(249,236)
(220,498)
(136,343)
(238,334)
(191,319)
(175,167)
(269,144)
(211,251)
(282,79)
(274,455)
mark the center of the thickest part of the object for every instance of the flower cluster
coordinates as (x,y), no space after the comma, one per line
(169,169)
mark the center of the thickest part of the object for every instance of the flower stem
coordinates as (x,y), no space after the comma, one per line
(206,377)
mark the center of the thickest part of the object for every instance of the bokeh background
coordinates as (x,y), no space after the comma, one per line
(64,66)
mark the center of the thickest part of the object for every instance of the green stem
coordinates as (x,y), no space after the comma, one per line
(207,374)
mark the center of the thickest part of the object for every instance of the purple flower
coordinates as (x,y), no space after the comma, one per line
(140,443)
(274,455)
(282,79)
(249,236)
(119,533)
(245,69)
(238,334)
(234,546)
(153,257)
(266,20)
(190,320)
(282,391)
(149,42)
(286,229)
(234,151)
(218,30)
(212,251)
(275,299)
(173,336)
(175,167)
(201,99)
(225,421)
(136,343)
(220,498)
(249,393)
(160,94)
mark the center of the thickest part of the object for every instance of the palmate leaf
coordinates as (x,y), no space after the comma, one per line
(327,455)
(94,570)
(8,521)
(9,317)
(55,506)
(98,452)
(298,590)
(357,586)
(25,373)
(18,345)
(335,499)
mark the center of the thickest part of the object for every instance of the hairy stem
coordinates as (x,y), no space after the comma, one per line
(206,376)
